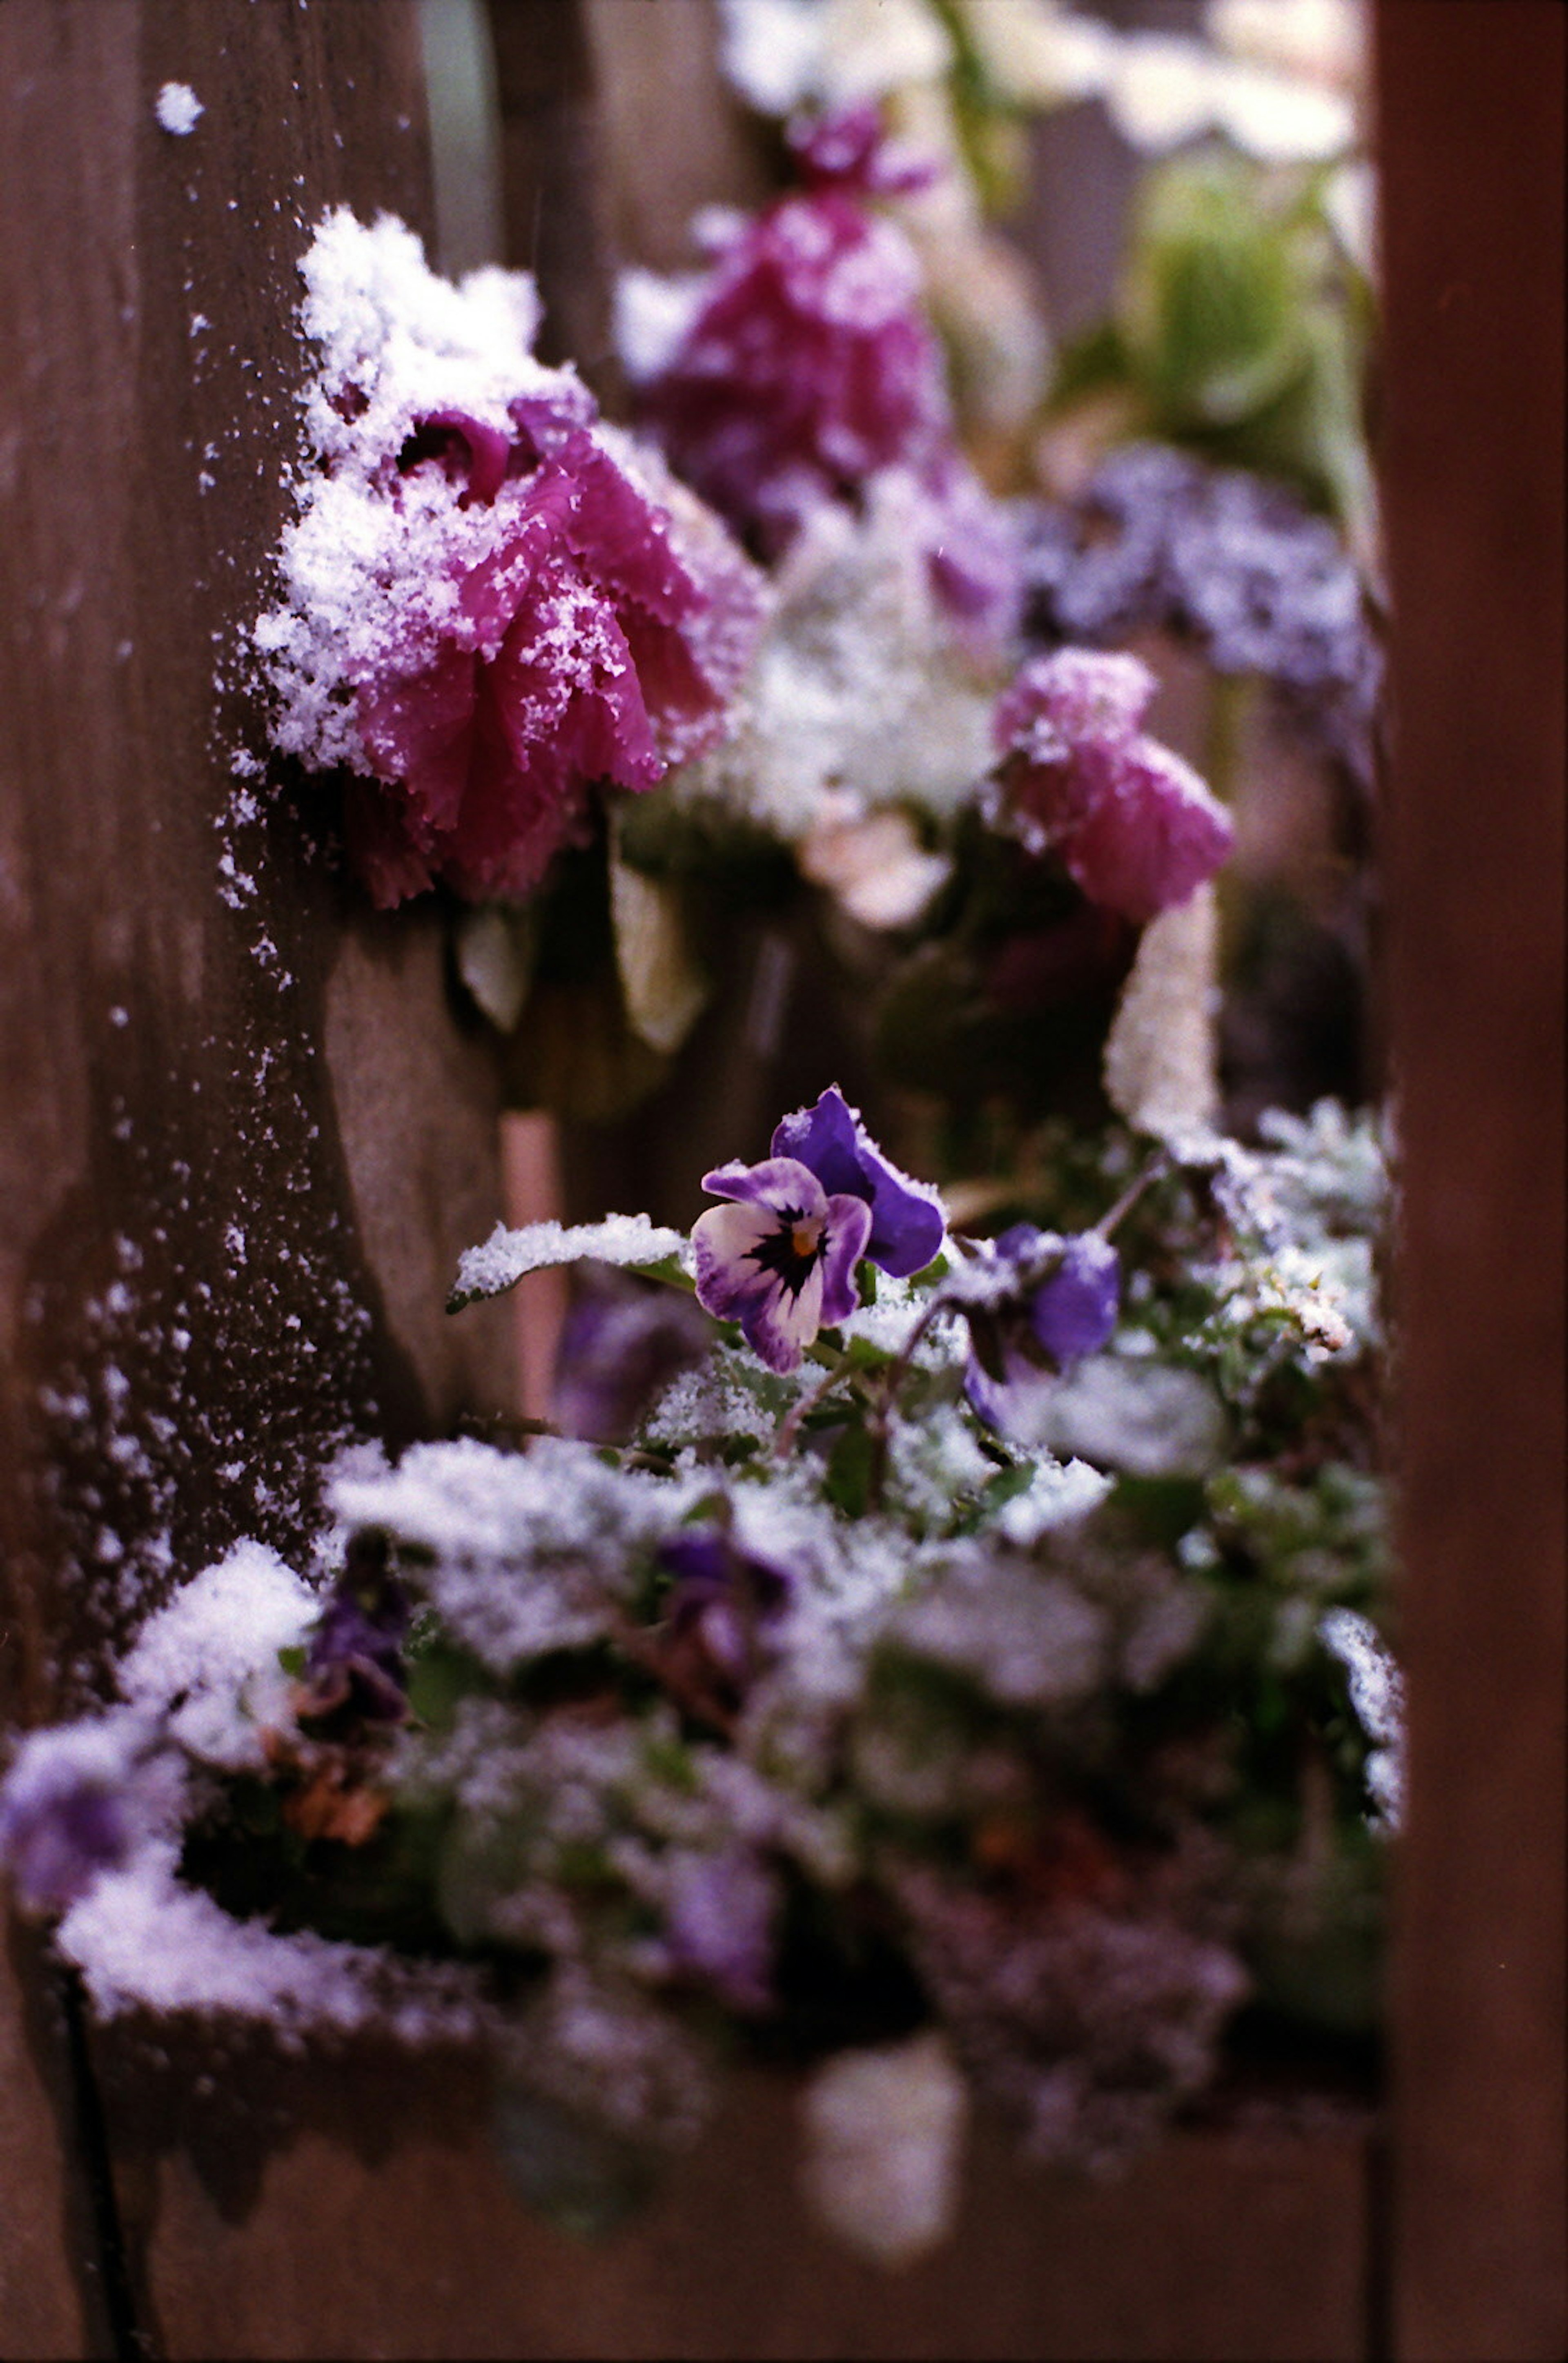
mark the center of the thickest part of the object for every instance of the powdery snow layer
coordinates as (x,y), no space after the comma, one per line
(209,1660)
(177,108)
(491,599)
(630,1240)
(143,1941)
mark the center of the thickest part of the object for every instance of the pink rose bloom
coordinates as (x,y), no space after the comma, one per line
(492,600)
(807,366)
(1133,826)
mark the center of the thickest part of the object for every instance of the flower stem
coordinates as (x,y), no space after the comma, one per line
(801,1409)
(1158,1164)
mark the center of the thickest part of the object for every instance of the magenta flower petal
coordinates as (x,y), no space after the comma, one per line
(1152,837)
(1133,825)
(1059,702)
(495,602)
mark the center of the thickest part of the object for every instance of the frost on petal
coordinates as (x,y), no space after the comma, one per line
(906,1224)
(491,601)
(806,369)
(1133,825)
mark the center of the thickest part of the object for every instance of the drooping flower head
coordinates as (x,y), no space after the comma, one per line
(906,1220)
(492,600)
(807,367)
(1134,826)
(779,1259)
(1036,1304)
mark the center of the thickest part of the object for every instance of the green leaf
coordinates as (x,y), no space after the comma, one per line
(847,1481)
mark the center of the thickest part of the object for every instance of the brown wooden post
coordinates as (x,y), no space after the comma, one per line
(1472,148)
(243,1136)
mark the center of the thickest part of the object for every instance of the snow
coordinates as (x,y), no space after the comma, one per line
(144,1941)
(630,1240)
(209,1660)
(884,2132)
(177,108)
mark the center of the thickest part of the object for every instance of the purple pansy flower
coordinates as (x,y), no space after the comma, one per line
(781,1259)
(1134,826)
(355,1662)
(907,1225)
(621,1343)
(1058,1304)
(716,1625)
(73,1805)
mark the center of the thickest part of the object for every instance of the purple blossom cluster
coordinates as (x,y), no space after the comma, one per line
(1221,555)
(1133,825)
(809,367)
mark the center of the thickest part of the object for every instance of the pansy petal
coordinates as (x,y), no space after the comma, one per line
(908,1223)
(1076,1312)
(785,1183)
(724,1242)
(843,1242)
(780,1325)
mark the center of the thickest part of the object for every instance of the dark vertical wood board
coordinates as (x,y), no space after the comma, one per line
(242,1138)
(245,1136)
(50,2308)
(1471,150)
(675,137)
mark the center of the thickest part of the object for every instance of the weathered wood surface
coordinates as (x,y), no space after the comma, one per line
(243,1135)
(1218,2248)
(1472,225)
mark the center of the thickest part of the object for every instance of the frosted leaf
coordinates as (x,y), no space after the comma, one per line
(144,1941)
(663,988)
(884,2132)
(1377,1697)
(1160,1067)
(632,1241)
(495,958)
(1144,1418)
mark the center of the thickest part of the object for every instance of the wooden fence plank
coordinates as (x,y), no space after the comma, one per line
(1472,145)
(244,1137)
(229,1085)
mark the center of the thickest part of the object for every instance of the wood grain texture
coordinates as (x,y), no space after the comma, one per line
(359,2211)
(245,1136)
(50,2307)
(1472,148)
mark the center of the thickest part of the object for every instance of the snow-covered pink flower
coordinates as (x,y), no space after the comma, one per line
(492,600)
(779,1259)
(1132,824)
(806,366)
